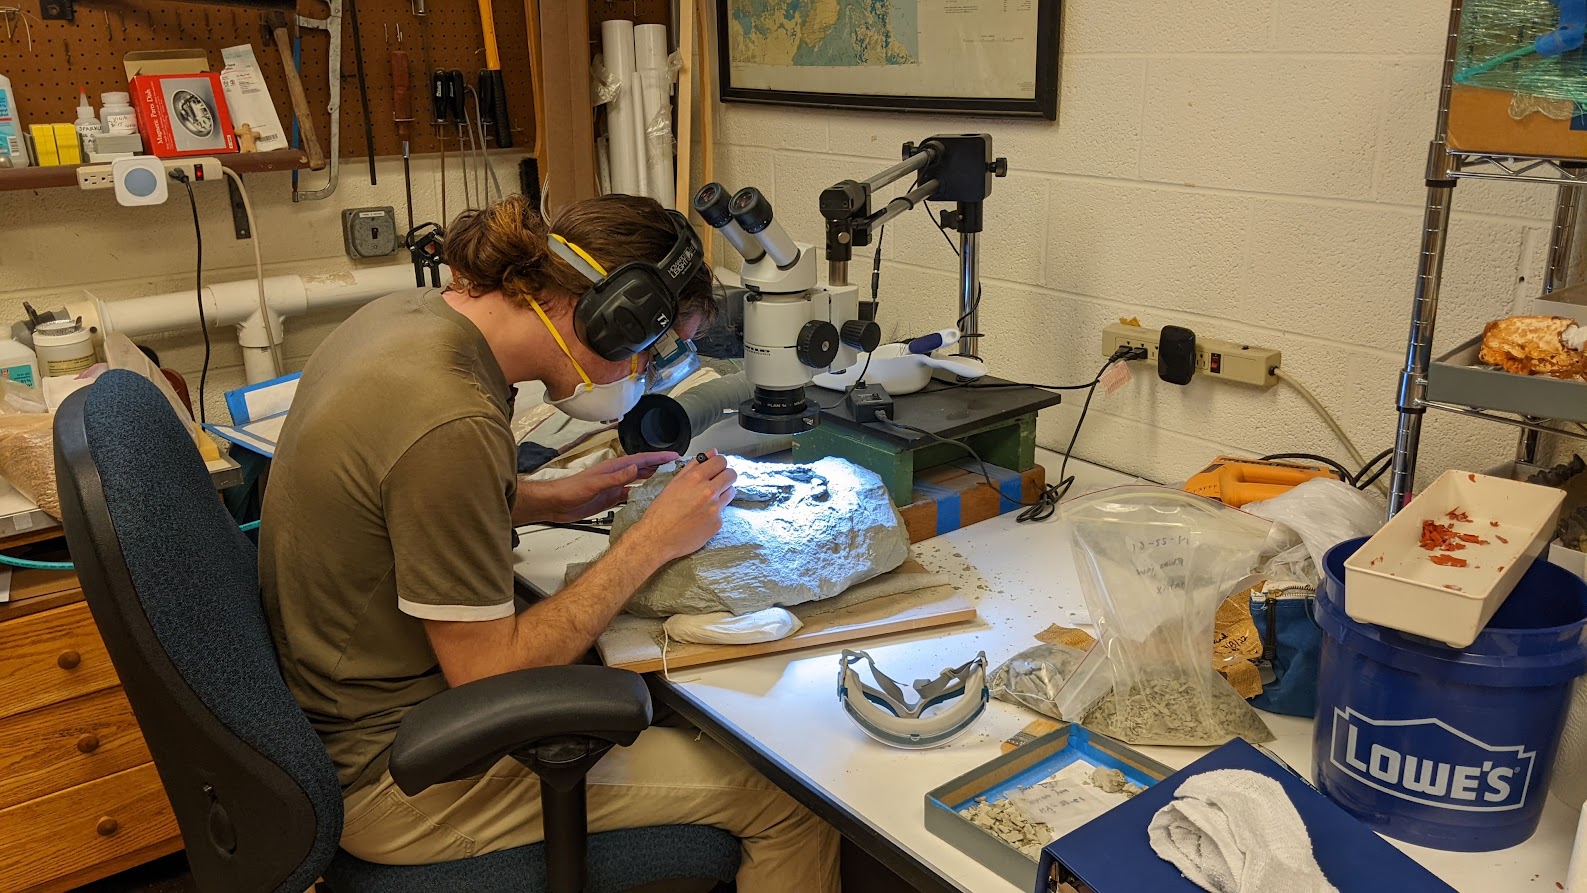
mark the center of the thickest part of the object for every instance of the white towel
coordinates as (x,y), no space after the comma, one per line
(1235,831)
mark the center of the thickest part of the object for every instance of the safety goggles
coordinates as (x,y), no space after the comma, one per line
(946,707)
(672,359)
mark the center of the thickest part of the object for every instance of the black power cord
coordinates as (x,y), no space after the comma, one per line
(1046,504)
(876,303)
(1361,480)
(180,176)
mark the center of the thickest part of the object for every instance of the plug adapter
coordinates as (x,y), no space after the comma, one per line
(866,400)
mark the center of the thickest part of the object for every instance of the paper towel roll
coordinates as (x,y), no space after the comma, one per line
(650,47)
(653,86)
(624,113)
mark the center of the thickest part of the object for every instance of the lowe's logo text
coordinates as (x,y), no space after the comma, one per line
(1429,762)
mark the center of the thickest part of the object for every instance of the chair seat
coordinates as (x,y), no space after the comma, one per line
(618,861)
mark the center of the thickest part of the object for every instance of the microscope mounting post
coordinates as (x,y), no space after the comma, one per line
(948,168)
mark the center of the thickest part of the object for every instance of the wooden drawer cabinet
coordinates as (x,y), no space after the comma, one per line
(66,744)
(79,797)
(50,656)
(91,824)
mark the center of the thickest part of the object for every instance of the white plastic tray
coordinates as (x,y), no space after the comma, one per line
(1393,582)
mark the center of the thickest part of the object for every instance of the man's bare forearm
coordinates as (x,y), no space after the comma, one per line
(558,630)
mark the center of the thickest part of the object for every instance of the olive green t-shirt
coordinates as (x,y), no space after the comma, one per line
(389,502)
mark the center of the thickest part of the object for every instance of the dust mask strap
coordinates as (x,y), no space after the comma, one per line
(588,384)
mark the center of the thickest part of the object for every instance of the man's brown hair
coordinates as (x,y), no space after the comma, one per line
(503,247)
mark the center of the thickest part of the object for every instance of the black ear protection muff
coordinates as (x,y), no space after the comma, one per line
(626,310)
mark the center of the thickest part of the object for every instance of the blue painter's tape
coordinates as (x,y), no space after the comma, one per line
(1010,483)
(948,513)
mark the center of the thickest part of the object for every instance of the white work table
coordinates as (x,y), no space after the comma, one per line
(781,711)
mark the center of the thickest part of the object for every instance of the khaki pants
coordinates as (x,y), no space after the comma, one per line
(669,776)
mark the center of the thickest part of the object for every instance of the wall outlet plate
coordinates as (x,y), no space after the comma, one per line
(1215,358)
(95,176)
(370,232)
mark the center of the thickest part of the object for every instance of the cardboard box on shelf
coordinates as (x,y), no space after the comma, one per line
(1484,120)
(183,114)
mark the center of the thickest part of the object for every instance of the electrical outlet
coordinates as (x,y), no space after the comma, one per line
(1227,360)
(370,232)
(95,176)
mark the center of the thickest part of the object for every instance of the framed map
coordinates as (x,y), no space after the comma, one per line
(973,57)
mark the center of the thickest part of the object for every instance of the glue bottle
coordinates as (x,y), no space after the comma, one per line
(87,123)
(13,148)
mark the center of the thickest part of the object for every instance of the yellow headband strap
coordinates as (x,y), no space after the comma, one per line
(582,254)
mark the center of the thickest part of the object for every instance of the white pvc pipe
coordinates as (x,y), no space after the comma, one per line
(237,304)
(655,87)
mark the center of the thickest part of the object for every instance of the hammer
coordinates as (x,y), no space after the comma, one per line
(277,23)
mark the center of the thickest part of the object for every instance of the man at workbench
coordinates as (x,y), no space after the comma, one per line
(386,552)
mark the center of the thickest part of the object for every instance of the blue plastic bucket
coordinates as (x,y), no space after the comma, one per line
(1447,748)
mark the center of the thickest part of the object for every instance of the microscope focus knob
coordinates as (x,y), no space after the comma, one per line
(862,334)
(817,346)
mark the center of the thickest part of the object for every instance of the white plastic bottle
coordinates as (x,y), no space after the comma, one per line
(118,115)
(19,363)
(12,146)
(87,124)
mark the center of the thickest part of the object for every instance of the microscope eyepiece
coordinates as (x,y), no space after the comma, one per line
(711,203)
(751,210)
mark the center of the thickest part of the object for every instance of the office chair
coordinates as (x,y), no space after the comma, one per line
(173,586)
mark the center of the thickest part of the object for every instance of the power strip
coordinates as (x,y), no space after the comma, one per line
(199,170)
(1227,360)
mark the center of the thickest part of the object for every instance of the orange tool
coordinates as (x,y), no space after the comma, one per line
(1235,481)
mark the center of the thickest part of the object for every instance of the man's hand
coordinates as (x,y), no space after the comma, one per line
(589,492)
(688,511)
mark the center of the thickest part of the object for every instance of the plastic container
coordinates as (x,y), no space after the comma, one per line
(118,115)
(1444,748)
(19,363)
(1396,583)
(87,124)
(13,147)
(64,347)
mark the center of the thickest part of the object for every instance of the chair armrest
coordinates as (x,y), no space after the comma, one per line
(463,731)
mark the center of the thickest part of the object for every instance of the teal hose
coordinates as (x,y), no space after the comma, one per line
(30,564)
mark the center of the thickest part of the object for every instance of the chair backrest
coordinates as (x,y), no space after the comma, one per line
(174,589)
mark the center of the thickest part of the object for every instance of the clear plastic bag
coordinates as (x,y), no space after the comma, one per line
(1033,677)
(1513,45)
(1324,513)
(27,457)
(1155,564)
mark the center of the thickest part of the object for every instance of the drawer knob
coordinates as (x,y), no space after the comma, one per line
(108,826)
(68,660)
(88,743)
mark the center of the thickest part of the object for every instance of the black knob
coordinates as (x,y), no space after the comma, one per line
(818,344)
(999,168)
(862,334)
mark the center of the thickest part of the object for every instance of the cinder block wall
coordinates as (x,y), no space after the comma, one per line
(1249,168)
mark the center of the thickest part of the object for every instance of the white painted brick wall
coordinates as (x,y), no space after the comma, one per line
(1250,168)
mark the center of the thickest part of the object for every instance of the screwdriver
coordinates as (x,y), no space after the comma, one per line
(456,92)
(439,109)
(402,115)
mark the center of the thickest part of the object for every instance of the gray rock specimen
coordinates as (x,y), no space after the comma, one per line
(794,534)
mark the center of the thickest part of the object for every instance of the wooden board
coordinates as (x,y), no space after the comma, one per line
(634,643)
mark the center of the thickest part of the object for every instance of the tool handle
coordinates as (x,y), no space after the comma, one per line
(440,104)
(487,24)
(487,97)
(401,95)
(457,90)
(503,122)
(300,100)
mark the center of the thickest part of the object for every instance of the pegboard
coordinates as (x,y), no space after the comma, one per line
(67,56)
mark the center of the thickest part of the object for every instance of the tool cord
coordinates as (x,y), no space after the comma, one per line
(30,564)
(277,361)
(198,289)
